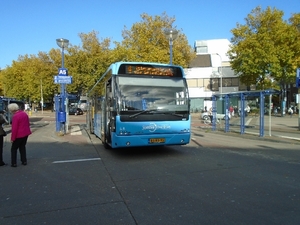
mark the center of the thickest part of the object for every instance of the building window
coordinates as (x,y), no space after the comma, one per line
(201,49)
(235,82)
(206,84)
(200,82)
(215,84)
(227,82)
(192,82)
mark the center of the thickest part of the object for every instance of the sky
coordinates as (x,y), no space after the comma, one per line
(32,26)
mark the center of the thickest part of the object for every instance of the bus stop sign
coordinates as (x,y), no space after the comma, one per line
(62,72)
(62,79)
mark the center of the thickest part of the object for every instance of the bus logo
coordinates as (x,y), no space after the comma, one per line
(152,127)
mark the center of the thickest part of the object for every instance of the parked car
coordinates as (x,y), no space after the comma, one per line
(83,105)
(75,111)
(46,106)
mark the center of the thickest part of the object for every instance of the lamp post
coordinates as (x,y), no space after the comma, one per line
(171,34)
(62,43)
(42,98)
(221,75)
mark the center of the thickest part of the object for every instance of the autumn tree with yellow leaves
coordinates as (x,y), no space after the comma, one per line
(266,48)
(144,42)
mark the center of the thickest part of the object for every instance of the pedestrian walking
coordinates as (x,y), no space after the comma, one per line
(20,130)
(2,135)
(231,110)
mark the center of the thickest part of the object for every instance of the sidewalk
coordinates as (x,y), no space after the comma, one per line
(285,128)
(278,128)
(75,134)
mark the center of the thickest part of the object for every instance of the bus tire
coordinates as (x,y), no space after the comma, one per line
(106,146)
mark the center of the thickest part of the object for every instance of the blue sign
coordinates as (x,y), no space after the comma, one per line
(62,72)
(298,78)
(62,79)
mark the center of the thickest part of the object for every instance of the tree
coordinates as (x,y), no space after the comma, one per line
(86,64)
(146,42)
(266,46)
(25,78)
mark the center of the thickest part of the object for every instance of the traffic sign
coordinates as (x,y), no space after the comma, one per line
(63,79)
(62,72)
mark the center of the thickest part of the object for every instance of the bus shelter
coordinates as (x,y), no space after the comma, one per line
(242,96)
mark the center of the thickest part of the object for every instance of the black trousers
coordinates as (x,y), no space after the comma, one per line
(19,143)
(1,148)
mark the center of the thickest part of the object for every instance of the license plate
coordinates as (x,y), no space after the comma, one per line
(157,140)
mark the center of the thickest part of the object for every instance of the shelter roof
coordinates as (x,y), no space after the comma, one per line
(250,93)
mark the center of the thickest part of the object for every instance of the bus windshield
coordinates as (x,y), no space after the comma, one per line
(152,94)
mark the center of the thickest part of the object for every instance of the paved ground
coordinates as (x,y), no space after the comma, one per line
(219,178)
(275,128)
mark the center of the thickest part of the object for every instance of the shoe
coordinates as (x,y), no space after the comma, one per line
(2,164)
(13,165)
(24,163)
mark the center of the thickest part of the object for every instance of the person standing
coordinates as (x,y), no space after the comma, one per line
(247,110)
(291,111)
(2,134)
(20,130)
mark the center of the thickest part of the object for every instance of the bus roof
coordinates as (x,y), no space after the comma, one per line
(142,69)
(145,68)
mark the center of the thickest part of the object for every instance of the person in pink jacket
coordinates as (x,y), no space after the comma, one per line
(20,130)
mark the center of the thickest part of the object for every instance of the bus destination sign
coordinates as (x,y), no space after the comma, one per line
(150,70)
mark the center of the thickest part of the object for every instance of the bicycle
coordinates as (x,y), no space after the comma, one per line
(208,120)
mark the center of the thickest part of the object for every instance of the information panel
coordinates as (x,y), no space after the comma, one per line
(63,79)
(154,70)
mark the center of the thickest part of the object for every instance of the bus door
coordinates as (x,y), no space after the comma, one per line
(103,119)
(107,114)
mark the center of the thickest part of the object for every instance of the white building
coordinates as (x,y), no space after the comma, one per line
(210,73)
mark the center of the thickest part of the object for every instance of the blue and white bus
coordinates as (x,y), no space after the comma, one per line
(140,104)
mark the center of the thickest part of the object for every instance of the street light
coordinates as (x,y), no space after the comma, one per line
(42,98)
(171,34)
(221,74)
(62,43)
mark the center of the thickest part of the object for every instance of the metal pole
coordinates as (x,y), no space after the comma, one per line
(62,92)
(270,115)
(62,57)
(42,99)
(171,50)
(61,113)
(221,75)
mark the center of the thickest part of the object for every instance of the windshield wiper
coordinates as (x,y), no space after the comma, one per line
(174,114)
(142,112)
(157,111)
